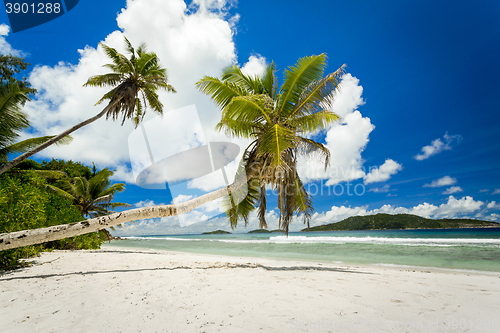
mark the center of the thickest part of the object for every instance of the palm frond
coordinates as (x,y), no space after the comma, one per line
(234,75)
(60,192)
(311,148)
(318,95)
(28,144)
(221,92)
(297,78)
(248,108)
(275,140)
(314,122)
(269,81)
(12,119)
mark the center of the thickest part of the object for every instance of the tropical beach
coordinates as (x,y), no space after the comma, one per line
(215,166)
(126,290)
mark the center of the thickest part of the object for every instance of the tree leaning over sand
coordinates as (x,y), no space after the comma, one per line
(135,81)
(278,122)
(13,121)
(303,83)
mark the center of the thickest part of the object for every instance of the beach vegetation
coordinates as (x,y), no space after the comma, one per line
(26,203)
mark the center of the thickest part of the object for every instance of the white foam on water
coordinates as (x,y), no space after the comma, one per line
(443,242)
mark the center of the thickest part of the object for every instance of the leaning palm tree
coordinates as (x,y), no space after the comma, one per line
(252,107)
(278,122)
(135,81)
(13,120)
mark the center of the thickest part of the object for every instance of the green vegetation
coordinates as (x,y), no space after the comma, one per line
(91,195)
(400,221)
(25,203)
(216,232)
(259,231)
(10,67)
(264,231)
(278,121)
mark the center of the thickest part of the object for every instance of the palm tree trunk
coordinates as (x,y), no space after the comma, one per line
(56,138)
(36,236)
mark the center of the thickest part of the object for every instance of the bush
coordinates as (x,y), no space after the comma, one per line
(26,204)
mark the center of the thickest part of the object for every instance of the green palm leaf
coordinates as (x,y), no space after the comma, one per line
(297,79)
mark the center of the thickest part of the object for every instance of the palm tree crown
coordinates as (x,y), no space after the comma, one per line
(135,81)
(92,196)
(278,122)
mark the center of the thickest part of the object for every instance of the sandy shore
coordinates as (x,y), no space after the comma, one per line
(131,291)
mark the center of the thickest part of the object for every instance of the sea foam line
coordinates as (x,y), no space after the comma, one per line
(445,242)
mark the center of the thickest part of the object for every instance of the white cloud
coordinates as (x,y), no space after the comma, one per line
(255,66)
(453,189)
(383,173)
(493,205)
(345,139)
(146,203)
(444,181)
(190,44)
(5,47)
(453,208)
(200,221)
(383,189)
(182,198)
(496,191)
(438,146)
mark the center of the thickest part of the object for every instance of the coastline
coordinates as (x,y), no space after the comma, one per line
(128,290)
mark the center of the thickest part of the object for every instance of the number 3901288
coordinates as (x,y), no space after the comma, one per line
(39,8)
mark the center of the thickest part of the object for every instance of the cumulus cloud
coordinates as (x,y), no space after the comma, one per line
(453,189)
(182,198)
(444,181)
(255,66)
(345,139)
(383,173)
(438,146)
(193,223)
(146,203)
(189,43)
(493,205)
(453,208)
(5,47)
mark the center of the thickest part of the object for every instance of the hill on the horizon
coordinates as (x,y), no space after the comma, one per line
(400,221)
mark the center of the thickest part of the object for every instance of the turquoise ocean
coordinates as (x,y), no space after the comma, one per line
(463,249)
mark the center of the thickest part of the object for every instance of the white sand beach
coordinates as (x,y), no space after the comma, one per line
(124,290)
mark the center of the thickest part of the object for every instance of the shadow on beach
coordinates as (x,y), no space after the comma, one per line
(219,266)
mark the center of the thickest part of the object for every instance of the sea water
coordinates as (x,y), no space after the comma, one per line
(465,249)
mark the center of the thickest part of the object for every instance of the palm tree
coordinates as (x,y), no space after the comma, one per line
(92,196)
(278,122)
(135,81)
(252,107)
(13,120)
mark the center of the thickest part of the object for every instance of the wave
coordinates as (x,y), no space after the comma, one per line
(445,242)
(386,240)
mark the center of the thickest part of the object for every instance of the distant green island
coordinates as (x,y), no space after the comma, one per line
(263,231)
(400,221)
(216,232)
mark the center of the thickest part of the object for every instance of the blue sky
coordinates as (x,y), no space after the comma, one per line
(419,130)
